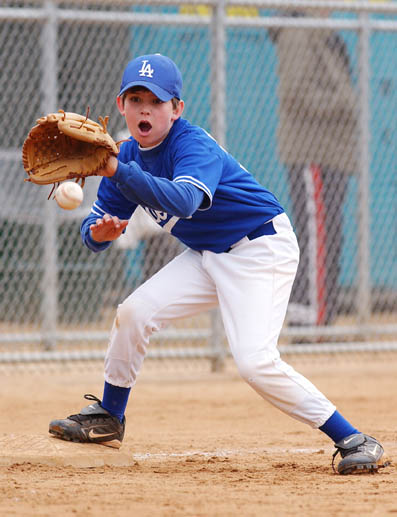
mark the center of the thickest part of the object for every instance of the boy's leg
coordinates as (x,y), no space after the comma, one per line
(182,288)
(254,283)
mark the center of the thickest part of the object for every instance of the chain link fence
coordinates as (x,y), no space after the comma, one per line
(303,94)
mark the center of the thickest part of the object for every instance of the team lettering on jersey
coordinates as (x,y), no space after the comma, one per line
(162,218)
(146,70)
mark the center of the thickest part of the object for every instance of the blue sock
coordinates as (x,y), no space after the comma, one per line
(115,400)
(337,427)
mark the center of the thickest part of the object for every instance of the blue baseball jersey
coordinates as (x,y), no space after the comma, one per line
(188,169)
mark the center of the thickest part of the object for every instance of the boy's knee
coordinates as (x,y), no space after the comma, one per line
(131,312)
(253,367)
(247,369)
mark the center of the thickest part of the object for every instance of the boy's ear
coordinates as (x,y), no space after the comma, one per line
(178,111)
(120,104)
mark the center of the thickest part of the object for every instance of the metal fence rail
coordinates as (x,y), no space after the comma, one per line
(55,294)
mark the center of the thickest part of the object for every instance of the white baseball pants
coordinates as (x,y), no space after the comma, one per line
(252,284)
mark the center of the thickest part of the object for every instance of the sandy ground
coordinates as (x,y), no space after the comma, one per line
(197,444)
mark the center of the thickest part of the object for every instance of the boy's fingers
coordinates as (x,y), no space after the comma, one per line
(109,221)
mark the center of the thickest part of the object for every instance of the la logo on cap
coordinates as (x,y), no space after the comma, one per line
(146,70)
(155,72)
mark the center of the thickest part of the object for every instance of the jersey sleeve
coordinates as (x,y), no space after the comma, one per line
(112,201)
(180,200)
(199,162)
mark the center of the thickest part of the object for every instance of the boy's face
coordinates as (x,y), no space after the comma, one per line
(148,119)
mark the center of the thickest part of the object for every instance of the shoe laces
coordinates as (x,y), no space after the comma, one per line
(88,396)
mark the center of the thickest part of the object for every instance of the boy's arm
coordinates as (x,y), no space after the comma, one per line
(180,199)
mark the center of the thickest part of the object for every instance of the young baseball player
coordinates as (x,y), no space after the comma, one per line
(241,254)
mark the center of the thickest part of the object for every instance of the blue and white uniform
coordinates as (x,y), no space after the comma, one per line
(212,203)
(241,255)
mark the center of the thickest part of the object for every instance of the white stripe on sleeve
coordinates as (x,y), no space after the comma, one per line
(199,184)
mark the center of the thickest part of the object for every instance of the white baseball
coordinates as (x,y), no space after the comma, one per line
(69,195)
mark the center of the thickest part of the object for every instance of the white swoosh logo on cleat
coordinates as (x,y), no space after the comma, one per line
(349,440)
(374,451)
(92,434)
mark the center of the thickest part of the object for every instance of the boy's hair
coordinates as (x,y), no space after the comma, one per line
(175,101)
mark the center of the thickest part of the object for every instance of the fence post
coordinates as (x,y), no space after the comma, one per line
(363,300)
(49,305)
(218,130)
(218,72)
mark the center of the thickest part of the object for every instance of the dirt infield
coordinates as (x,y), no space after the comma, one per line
(203,445)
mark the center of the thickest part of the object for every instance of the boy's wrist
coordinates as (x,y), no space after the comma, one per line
(111,167)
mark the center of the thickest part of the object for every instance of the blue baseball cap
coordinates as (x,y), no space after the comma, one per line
(157,73)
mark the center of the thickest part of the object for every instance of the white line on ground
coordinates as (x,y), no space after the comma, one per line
(224,453)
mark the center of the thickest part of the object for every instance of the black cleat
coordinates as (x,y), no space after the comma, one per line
(92,425)
(360,454)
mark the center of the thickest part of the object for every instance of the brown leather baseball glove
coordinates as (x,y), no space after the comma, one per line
(63,146)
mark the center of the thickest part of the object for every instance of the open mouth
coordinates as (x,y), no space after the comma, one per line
(145,126)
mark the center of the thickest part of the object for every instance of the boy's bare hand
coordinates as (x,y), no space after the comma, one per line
(108,228)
